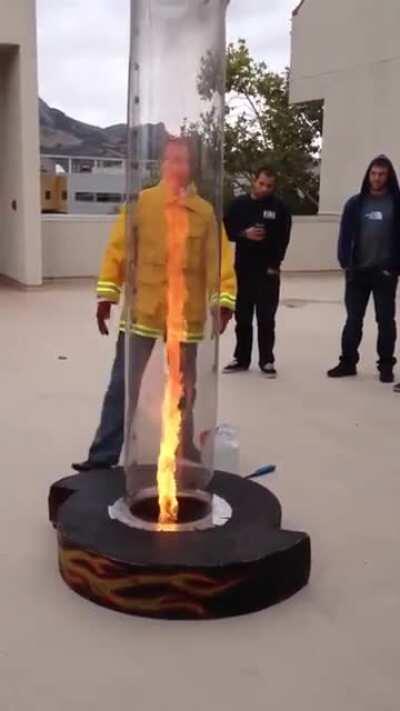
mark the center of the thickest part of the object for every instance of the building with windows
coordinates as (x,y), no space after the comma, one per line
(348,54)
(96,193)
(81,186)
(86,185)
(54,193)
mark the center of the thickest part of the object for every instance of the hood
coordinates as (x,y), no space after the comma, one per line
(393,183)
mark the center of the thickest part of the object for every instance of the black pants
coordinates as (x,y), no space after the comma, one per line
(359,287)
(257,291)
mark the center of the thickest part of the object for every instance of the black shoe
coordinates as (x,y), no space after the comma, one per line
(89,466)
(397,388)
(235,367)
(269,370)
(343,370)
(386,375)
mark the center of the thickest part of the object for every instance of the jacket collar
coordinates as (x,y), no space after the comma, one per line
(188,197)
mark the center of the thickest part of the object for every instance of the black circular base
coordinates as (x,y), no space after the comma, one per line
(243,566)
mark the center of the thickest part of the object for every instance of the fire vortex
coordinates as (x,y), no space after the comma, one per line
(177,234)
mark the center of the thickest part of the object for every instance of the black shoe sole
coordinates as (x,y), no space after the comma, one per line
(342,375)
(91,468)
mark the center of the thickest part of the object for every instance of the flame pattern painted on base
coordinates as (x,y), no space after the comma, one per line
(175,594)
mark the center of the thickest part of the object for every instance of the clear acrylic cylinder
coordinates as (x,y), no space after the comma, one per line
(176,113)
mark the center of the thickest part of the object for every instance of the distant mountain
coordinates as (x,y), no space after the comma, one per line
(62,135)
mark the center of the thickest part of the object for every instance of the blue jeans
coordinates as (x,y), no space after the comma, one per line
(359,287)
(107,445)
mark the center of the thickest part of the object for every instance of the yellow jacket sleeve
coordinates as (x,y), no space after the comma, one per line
(226,278)
(112,272)
(228,288)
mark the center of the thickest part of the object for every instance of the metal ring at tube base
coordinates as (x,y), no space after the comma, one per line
(219,514)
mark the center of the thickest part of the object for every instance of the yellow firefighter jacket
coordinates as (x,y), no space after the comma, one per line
(209,278)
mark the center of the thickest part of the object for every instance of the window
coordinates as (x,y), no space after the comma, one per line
(64,195)
(109,197)
(48,195)
(111,164)
(84,197)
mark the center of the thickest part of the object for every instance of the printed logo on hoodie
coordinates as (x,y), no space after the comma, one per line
(375,215)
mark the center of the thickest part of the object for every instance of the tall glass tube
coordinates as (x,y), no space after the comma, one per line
(173,291)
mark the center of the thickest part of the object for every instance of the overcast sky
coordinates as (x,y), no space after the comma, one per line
(83,50)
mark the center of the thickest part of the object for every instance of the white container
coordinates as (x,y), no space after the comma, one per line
(226,448)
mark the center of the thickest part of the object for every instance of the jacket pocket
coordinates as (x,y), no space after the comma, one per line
(148,300)
(195,252)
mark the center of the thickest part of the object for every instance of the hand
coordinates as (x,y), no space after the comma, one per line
(255,234)
(225,316)
(103,315)
(221,316)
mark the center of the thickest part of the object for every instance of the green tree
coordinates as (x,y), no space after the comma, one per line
(263,128)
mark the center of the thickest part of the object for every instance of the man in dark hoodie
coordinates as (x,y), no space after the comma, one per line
(260,225)
(369,252)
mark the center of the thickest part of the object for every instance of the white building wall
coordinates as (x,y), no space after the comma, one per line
(20,234)
(348,53)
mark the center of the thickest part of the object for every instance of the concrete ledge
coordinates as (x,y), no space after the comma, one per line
(73,244)
(108,219)
(7,282)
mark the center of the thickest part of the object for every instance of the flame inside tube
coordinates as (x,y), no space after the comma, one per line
(177,234)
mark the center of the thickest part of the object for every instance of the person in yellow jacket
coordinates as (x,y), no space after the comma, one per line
(171,208)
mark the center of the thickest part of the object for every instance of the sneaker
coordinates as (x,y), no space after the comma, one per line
(386,375)
(235,367)
(397,388)
(343,370)
(88,466)
(269,370)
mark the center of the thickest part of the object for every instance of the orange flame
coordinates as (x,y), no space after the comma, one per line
(177,233)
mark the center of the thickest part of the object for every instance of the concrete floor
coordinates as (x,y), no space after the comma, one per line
(333,647)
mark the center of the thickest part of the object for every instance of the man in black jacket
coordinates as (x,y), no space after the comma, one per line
(369,252)
(260,225)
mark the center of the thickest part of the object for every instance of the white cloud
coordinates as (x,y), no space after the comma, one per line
(266,26)
(83,50)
